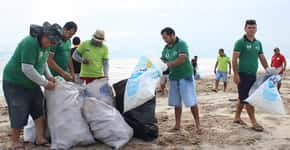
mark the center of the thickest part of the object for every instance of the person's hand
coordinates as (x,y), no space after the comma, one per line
(86,61)
(73,76)
(50,86)
(52,79)
(67,76)
(236,79)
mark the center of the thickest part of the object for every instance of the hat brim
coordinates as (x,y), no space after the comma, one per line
(98,40)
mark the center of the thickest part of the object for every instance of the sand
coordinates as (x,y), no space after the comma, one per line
(216,114)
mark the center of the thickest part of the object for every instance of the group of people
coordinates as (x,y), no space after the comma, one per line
(49,52)
(246,53)
(223,67)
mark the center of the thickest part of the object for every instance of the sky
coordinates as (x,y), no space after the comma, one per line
(133,27)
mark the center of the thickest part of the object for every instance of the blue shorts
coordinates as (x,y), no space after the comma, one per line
(221,75)
(182,91)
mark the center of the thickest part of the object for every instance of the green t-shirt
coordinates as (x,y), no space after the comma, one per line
(249,54)
(223,63)
(61,56)
(171,54)
(28,51)
(95,55)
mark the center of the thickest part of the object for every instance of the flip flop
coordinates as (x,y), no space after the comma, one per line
(19,147)
(240,122)
(46,144)
(214,90)
(199,131)
(258,128)
(174,129)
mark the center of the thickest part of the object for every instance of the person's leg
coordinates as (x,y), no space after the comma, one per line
(242,96)
(195,113)
(225,79)
(162,84)
(216,85)
(279,86)
(36,112)
(188,95)
(217,79)
(178,112)
(225,86)
(18,108)
(174,100)
(239,109)
(251,113)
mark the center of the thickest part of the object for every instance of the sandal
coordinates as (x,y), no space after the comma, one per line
(240,122)
(18,147)
(258,128)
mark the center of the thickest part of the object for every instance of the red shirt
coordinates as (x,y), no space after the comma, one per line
(277,61)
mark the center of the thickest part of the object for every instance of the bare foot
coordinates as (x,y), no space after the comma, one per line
(42,142)
(17,146)
(198,131)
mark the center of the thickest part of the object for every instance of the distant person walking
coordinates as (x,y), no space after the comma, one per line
(279,63)
(221,69)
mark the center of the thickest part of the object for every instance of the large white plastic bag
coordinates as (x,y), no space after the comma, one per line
(141,85)
(29,132)
(106,123)
(101,90)
(267,97)
(66,124)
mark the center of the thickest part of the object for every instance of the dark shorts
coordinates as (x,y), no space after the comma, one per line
(22,102)
(246,82)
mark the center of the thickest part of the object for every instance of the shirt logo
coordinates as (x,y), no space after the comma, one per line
(249,46)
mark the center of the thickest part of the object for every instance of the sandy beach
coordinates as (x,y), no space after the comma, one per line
(216,114)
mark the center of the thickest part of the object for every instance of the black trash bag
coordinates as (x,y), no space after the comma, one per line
(141,119)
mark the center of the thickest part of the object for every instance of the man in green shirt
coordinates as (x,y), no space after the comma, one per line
(59,59)
(247,51)
(221,69)
(94,58)
(22,79)
(182,85)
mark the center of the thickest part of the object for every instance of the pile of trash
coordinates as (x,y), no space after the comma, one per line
(84,114)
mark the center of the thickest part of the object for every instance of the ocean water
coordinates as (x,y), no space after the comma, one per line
(122,68)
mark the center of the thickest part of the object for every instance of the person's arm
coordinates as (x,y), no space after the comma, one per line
(285,64)
(71,68)
(106,67)
(236,55)
(215,66)
(263,61)
(47,72)
(77,57)
(53,65)
(180,60)
(33,75)
(230,68)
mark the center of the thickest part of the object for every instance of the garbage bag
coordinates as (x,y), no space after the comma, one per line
(65,121)
(141,86)
(101,90)
(106,123)
(267,97)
